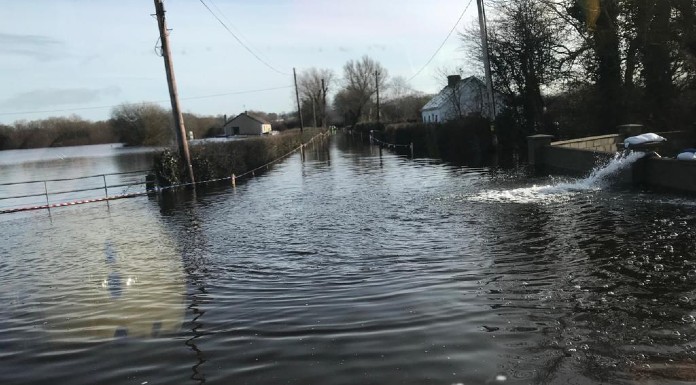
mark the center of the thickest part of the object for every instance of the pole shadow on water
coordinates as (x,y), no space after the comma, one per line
(179,214)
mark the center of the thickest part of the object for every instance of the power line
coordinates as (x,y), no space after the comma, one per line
(153,101)
(240,41)
(230,23)
(236,93)
(443,42)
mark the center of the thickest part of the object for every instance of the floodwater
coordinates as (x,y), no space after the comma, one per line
(355,267)
(48,169)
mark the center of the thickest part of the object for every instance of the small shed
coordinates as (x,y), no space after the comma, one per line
(246,124)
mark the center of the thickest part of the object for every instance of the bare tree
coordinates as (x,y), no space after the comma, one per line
(398,87)
(314,85)
(401,102)
(360,86)
(528,47)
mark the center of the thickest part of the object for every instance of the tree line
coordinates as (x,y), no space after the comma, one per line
(140,124)
(355,95)
(565,67)
(578,67)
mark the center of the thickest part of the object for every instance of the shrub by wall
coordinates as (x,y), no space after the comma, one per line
(215,160)
(466,140)
(366,127)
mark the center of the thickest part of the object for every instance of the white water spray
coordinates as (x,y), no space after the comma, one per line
(558,192)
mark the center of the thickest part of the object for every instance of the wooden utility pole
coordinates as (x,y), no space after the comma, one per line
(486,60)
(323,104)
(297,96)
(314,111)
(377,88)
(173,95)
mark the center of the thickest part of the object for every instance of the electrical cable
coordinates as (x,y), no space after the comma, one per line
(240,41)
(443,42)
(230,23)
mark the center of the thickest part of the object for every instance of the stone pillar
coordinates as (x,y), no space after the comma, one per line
(629,130)
(535,145)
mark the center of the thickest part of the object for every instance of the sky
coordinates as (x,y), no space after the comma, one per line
(83,57)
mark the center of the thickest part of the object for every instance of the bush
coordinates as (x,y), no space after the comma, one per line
(143,124)
(217,160)
(466,140)
(368,126)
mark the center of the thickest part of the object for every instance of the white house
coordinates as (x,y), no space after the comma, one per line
(245,124)
(460,98)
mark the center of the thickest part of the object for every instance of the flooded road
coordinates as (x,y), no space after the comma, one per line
(355,268)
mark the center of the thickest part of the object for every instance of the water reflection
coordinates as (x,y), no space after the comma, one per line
(118,282)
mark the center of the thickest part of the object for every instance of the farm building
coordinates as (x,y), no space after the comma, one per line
(245,124)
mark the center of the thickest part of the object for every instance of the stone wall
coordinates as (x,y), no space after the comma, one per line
(603,143)
(574,161)
(579,157)
(668,174)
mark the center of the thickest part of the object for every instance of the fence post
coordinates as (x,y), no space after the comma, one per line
(535,146)
(411,146)
(106,192)
(234,181)
(48,204)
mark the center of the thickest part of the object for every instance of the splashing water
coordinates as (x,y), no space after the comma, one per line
(560,192)
(619,162)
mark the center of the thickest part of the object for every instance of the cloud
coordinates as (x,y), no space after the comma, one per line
(38,47)
(50,97)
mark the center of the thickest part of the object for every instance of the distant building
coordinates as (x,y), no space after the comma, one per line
(245,124)
(460,98)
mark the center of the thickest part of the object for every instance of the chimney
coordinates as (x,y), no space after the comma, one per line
(224,119)
(452,80)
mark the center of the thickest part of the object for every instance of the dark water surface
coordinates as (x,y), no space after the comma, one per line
(354,268)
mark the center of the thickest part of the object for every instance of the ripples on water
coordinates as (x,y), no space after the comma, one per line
(355,268)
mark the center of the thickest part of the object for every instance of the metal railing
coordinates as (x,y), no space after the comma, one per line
(73,195)
(58,192)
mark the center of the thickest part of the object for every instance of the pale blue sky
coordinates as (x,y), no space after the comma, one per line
(81,55)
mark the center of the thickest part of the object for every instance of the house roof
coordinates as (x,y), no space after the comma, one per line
(441,98)
(254,117)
